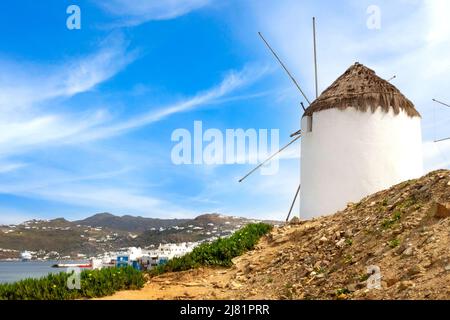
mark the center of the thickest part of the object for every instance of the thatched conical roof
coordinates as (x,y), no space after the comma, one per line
(359,87)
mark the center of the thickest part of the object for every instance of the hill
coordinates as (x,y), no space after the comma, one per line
(401,233)
(128,223)
(105,232)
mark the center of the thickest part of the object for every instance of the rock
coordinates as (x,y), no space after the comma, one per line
(431,239)
(234,286)
(391,281)
(405,285)
(341,243)
(295,221)
(425,187)
(408,251)
(323,239)
(352,287)
(193,284)
(439,210)
(413,271)
(447,267)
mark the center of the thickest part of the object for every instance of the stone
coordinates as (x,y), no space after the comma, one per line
(447,267)
(413,271)
(352,287)
(391,281)
(323,239)
(405,285)
(234,286)
(408,251)
(439,210)
(341,243)
(295,221)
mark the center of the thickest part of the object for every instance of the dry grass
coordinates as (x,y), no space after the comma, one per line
(359,87)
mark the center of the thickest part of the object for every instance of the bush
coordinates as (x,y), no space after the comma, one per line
(219,252)
(94,283)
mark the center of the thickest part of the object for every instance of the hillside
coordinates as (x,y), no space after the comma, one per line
(404,231)
(106,232)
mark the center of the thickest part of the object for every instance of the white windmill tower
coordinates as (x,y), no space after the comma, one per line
(360,136)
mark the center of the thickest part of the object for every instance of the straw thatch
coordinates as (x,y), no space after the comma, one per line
(359,87)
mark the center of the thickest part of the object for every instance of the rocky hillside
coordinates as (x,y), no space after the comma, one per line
(400,234)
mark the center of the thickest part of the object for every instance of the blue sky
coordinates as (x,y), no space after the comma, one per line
(87,115)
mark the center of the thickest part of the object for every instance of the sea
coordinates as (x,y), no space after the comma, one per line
(12,271)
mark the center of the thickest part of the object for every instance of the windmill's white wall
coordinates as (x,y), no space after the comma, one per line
(350,154)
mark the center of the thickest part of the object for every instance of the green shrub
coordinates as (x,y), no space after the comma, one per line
(94,283)
(394,243)
(219,252)
(388,223)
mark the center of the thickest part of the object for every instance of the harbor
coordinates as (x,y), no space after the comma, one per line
(140,259)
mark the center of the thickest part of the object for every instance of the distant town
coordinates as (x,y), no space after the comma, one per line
(107,236)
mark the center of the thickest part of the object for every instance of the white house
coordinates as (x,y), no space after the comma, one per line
(362,135)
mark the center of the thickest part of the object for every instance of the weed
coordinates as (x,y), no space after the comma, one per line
(394,243)
(388,223)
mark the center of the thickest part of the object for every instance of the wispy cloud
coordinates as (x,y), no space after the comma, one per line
(25,132)
(24,84)
(6,167)
(233,81)
(135,12)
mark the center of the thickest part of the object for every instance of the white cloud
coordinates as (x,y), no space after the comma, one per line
(135,12)
(10,166)
(232,81)
(24,84)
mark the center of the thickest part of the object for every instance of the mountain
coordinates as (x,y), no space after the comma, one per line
(128,223)
(106,232)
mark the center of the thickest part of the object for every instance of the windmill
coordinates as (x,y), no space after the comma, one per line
(445,105)
(360,136)
(298,134)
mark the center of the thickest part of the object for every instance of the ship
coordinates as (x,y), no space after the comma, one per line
(26,256)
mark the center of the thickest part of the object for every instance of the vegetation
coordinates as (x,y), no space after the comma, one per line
(394,243)
(349,241)
(93,283)
(219,252)
(388,223)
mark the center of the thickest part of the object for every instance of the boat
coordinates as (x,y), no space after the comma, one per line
(26,256)
(72,265)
